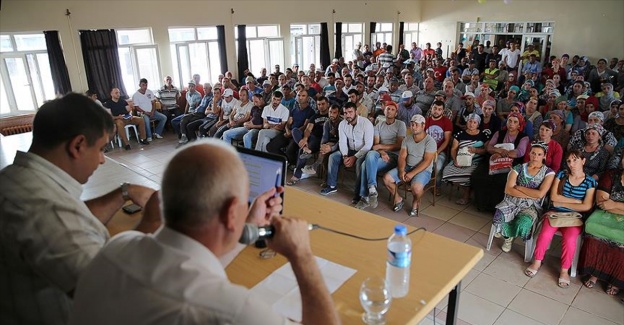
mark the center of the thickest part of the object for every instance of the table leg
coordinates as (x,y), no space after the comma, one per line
(453,303)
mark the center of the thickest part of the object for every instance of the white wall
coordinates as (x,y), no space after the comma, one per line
(592,28)
(24,15)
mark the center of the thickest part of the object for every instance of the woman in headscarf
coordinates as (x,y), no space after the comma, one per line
(601,74)
(616,124)
(609,141)
(491,186)
(562,104)
(525,189)
(593,150)
(555,151)
(490,123)
(503,107)
(559,133)
(518,107)
(533,115)
(606,96)
(469,142)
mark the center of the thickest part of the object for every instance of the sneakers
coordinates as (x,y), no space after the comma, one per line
(362,204)
(309,169)
(183,139)
(507,245)
(372,199)
(329,190)
(144,142)
(355,200)
(158,136)
(150,139)
(304,176)
(127,147)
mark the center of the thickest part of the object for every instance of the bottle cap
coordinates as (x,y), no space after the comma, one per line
(400,230)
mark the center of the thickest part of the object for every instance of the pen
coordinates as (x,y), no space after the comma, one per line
(278,181)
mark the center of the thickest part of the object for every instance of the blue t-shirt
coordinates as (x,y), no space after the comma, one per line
(299,116)
(575,192)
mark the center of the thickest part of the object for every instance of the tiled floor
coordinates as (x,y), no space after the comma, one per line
(496,291)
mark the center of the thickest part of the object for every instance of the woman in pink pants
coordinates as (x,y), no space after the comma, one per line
(571,191)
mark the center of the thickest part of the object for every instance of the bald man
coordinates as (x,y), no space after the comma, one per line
(175,276)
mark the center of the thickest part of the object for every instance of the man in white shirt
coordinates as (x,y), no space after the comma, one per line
(355,139)
(511,57)
(48,235)
(175,276)
(143,102)
(274,118)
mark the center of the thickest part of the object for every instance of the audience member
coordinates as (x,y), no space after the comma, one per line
(250,129)
(122,116)
(144,100)
(274,116)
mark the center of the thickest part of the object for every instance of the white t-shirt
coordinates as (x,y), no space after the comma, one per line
(144,101)
(512,58)
(275,116)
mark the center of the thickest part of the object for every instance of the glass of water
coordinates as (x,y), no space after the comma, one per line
(375,298)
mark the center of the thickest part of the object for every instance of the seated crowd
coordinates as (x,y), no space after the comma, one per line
(537,136)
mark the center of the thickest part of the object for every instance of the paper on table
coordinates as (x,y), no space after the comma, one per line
(281,291)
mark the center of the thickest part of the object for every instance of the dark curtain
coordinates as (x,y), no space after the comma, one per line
(373,26)
(401,29)
(101,59)
(338,43)
(58,68)
(325,61)
(243,59)
(222,51)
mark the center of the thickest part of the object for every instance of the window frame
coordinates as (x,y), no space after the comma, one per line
(267,40)
(175,47)
(154,85)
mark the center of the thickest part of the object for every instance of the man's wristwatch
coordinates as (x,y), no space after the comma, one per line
(124,191)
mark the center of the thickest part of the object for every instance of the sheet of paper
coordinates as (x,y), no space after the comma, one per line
(280,289)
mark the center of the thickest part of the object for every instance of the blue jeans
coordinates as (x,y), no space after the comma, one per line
(439,167)
(371,166)
(422,178)
(160,126)
(335,160)
(314,144)
(175,123)
(241,132)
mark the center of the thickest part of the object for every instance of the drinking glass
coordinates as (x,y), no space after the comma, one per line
(375,298)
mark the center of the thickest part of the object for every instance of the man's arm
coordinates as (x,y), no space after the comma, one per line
(423,164)
(447,140)
(369,131)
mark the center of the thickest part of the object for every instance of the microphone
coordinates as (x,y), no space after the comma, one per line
(252,233)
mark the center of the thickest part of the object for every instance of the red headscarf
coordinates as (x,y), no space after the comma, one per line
(520,119)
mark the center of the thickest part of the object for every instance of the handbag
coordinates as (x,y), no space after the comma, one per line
(565,219)
(464,157)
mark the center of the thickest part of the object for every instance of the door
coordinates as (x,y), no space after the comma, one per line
(541,43)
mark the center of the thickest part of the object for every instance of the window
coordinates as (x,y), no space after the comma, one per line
(410,34)
(305,44)
(351,35)
(138,58)
(25,75)
(383,34)
(195,50)
(265,48)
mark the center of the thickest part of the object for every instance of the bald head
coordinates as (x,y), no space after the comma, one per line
(200,181)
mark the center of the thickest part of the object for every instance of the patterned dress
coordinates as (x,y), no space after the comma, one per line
(461,175)
(516,215)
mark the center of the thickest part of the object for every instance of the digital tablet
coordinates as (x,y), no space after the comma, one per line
(265,170)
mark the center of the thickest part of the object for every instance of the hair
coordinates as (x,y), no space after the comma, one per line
(334,106)
(573,152)
(331,74)
(437,103)
(258,96)
(62,119)
(389,48)
(90,93)
(143,80)
(354,91)
(217,183)
(350,105)
(278,94)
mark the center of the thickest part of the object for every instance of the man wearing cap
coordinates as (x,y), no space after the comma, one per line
(425,97)
(267,91)
(275,116)
(227,106)
(357,51)
(387,139)
(338,97)
(355,139)
(251,86)
(407,107)
(414,165)
(467,108)
(440,128)
(333,67)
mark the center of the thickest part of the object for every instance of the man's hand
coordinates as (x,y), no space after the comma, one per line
(384,156)
(303,142)
(265,206)
(248,125)
(140,194)
(349,161)
(152,218)
(325,149)
(291,239)
(408,177)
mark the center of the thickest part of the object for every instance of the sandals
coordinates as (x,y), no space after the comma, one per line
(293,181)
(530,272)
(563,283)
(589,283)
(398,206)
(612,290)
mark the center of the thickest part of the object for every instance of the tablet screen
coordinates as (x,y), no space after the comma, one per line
(265,170)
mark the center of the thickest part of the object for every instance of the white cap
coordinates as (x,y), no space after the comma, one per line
(228,92)
(407,94)
(383,88)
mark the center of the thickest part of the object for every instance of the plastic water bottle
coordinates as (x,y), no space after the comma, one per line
(399,260)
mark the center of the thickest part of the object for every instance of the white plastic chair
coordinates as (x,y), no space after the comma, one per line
(528,245)
(577,252)
(127,128)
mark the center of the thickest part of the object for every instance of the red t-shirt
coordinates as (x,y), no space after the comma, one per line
(436,128)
